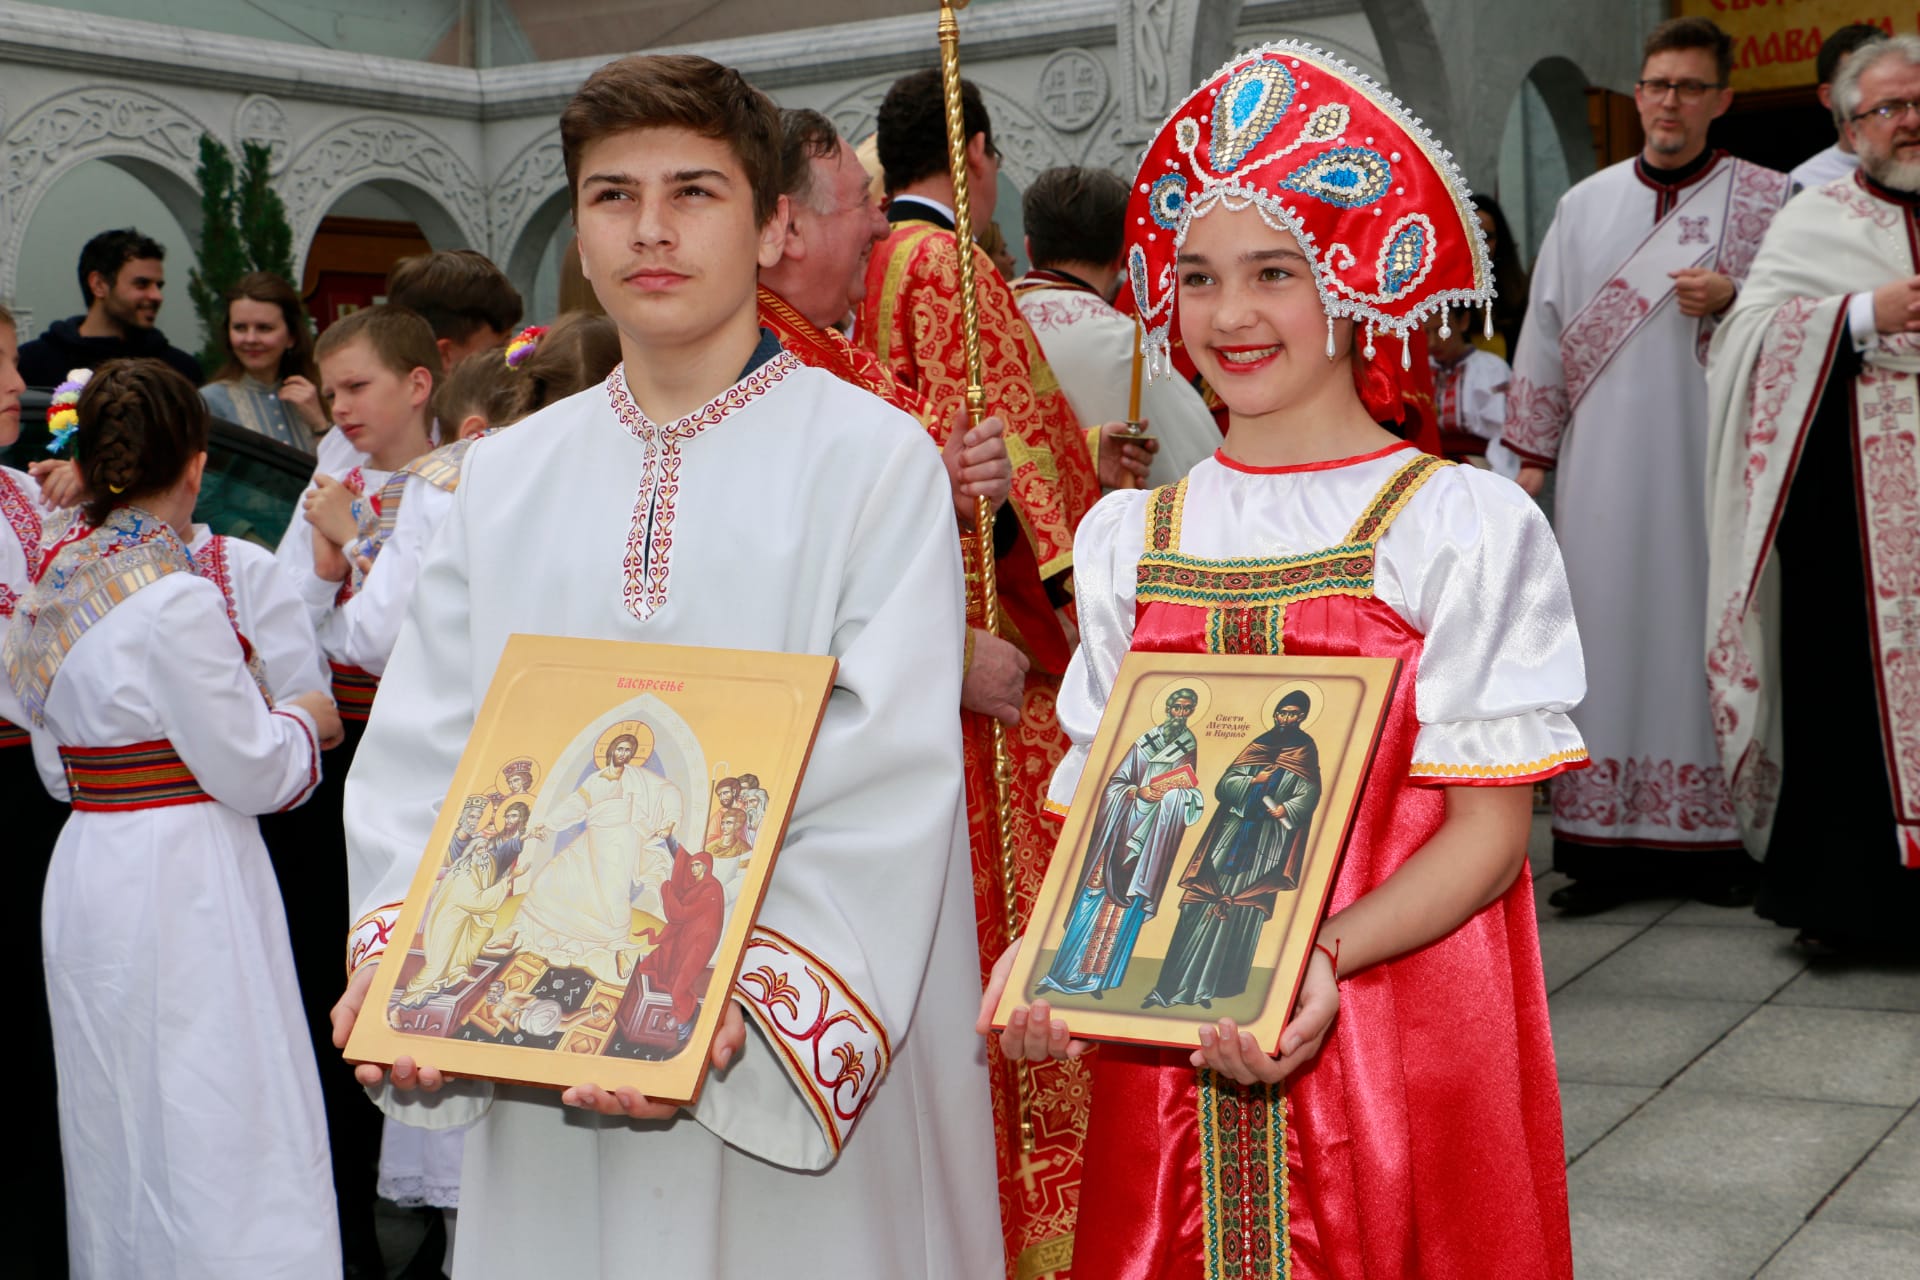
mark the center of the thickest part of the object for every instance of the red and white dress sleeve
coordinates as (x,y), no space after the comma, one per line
(1473,564)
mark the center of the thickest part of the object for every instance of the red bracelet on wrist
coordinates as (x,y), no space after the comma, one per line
(1333,956)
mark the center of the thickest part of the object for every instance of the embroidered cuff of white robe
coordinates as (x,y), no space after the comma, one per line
(833,1047)
(368,939)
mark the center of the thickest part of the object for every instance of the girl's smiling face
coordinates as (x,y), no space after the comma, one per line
(1251,316)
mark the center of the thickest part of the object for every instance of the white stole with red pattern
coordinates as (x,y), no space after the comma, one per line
(1768,367)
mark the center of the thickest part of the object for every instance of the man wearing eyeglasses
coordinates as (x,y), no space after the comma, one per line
(1609,386)
(1814,513)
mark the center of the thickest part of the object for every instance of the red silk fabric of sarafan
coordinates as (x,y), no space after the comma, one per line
(1425,1138)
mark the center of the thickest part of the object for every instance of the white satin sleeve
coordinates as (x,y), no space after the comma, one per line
(1474,566)
(1106,556)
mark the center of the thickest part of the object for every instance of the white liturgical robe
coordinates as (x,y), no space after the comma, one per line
(1088,343)
(1609,384)
(792,513)
(265,611)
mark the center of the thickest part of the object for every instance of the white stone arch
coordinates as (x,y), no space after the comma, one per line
(1546,145)
(527,204)
(422,172)
(1028,145)
(156,141)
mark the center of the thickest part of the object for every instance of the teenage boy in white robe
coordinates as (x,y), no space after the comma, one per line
(844,511)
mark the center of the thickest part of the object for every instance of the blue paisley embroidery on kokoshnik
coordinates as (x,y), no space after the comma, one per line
(1246,110)
(1169,199)
(1405,258)
(1350,177)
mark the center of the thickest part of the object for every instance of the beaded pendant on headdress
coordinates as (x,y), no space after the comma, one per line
(1324,153)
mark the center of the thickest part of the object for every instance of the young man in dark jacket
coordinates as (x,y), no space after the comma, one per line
(122,274)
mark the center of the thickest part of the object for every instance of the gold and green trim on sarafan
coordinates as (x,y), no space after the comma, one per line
(1393,498)
(1243,1179)
(1247,631)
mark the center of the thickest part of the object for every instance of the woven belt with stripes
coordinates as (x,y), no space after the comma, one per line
(145,775)
(12,735)
(353,690)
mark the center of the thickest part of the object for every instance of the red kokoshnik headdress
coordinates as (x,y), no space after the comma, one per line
(1329,156)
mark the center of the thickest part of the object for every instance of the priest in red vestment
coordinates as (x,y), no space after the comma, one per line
(822,275)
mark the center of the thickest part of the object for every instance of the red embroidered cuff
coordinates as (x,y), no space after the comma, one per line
(833,1046)
(367,940)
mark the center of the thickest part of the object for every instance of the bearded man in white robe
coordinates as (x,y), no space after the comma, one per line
(1813,608)
(1609,386)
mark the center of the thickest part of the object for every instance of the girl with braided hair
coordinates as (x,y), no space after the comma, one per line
(164,935)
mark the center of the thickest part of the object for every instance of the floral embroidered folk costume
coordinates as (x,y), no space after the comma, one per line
(911,320)
(1390,1152)
(1813,533)
(1609,387)
(165,944)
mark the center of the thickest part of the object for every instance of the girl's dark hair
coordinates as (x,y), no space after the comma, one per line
(140,425)
(1509,276)
(264,286)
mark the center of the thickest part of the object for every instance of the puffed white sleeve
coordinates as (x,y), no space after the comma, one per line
(362,631)
(414,738)
(242,754)
(1106,557)
(859,898)
(1474,566)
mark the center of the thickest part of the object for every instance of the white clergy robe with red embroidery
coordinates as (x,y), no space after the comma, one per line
(1609,385)
(793,513)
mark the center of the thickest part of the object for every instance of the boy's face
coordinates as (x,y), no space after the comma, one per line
(374,407)
(667,234)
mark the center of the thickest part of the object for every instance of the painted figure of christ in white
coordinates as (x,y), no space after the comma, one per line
(578,910)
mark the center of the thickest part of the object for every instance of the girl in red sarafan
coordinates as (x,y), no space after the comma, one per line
(1294,226)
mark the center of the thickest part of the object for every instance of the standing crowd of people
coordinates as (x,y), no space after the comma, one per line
(228,758)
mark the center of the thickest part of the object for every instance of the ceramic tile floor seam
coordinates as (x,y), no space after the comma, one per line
(1602,959)
(1663,1086)
(1637,1108)
(1832,1190)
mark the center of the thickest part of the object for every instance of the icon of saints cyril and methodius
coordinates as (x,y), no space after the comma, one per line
(1251,850)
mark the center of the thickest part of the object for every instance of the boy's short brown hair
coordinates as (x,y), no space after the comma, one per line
(455,291)
(1693,33)
(683,90)
(400,339)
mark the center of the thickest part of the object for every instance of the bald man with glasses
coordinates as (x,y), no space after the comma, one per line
(1609,386)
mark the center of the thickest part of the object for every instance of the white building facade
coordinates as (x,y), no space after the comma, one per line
(100,116)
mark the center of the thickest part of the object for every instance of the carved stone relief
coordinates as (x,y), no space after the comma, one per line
(263,120)
(1072,90)
(529,178)
(373,147)
(71,128)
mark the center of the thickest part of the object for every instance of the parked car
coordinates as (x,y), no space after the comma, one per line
(252,485)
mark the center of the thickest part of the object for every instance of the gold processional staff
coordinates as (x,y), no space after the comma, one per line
(983,510)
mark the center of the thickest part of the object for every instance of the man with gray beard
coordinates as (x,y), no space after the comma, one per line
(1814,590)
(1637,270)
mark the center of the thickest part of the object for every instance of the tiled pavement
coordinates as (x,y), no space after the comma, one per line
(1731,1109)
